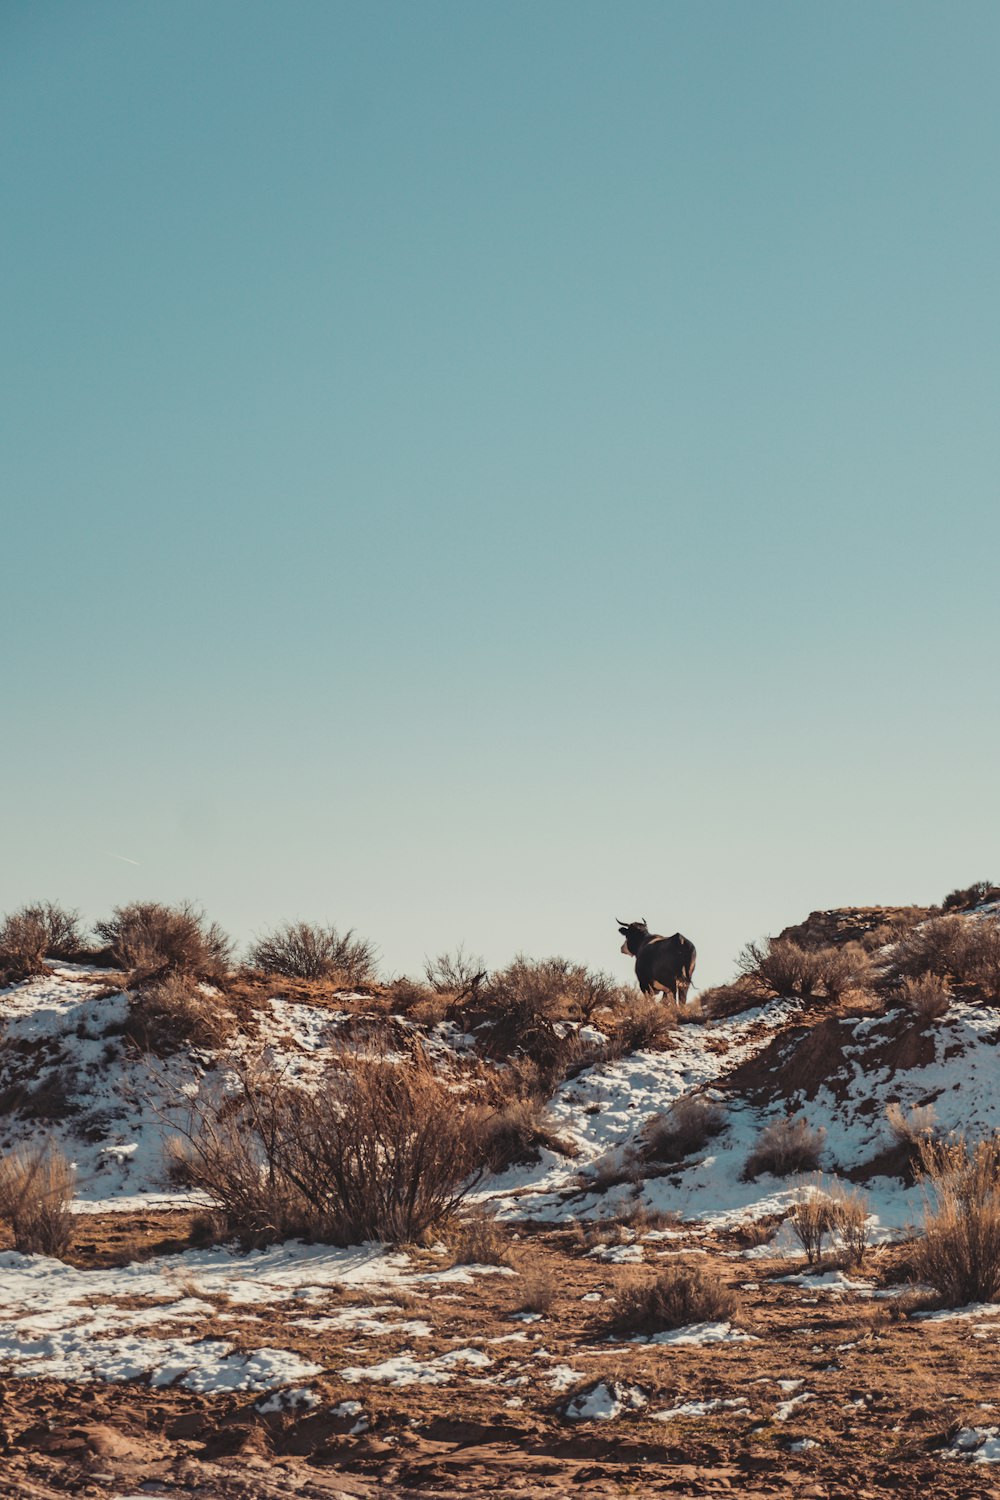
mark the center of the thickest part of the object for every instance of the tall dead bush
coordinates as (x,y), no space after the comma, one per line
(782,968)
(150,939)
(37,1186)
(303,950)
(381,1150)
(34,933)
(958,1251)
(455,973)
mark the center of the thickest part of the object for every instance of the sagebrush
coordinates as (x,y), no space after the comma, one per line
(305,950)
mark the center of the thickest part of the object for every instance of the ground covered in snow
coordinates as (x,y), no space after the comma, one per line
(146,1365)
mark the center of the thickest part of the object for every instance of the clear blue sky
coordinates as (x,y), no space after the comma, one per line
(472,472)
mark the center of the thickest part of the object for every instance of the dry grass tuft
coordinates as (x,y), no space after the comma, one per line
(150,939)
(958,1251)
(537,1294)
(175,1012)
(910,1127)
(785,1147)
(477,1239)
(927,996)
(684,1128)
(36,1191)
(302,950)
(679,1297)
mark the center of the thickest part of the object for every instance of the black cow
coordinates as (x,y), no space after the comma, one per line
(661,963)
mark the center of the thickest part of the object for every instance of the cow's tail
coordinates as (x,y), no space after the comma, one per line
(689,961)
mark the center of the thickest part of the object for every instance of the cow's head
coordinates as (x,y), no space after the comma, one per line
(634,933)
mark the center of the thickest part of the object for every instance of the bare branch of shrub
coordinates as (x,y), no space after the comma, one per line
(149,939)
(454,973)
(382,1150)
(302,950)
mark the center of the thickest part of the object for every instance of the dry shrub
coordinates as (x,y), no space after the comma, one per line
(22,948)
(518,1007)
(34,933)
(958,1251)
(382,1150)
(36,1191)
(514,1128)
(301,950)
(928,948)
(927,996)
(781,968)
(477,1239)
(812,1220)
(832,1209)
(910,1127)
(644,1025)
(785,1147)
(975,956)
(455,973)
(537,1293)
(852,1221)
(174,1013)
(684,1128)
(724,1000)
(406,995)
(150,939)
(970,896)
(679,1296)
(753,1233)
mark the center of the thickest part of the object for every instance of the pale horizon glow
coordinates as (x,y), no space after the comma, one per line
(473,473)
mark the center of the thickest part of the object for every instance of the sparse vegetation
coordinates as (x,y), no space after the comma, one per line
(958,1251)
(36,1190)
(785,1147)
(642,1025)
(680,1296)
(150,939)
(686,1127)
(302,950)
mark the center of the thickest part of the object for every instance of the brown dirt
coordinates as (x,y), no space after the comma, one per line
(888,1394)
